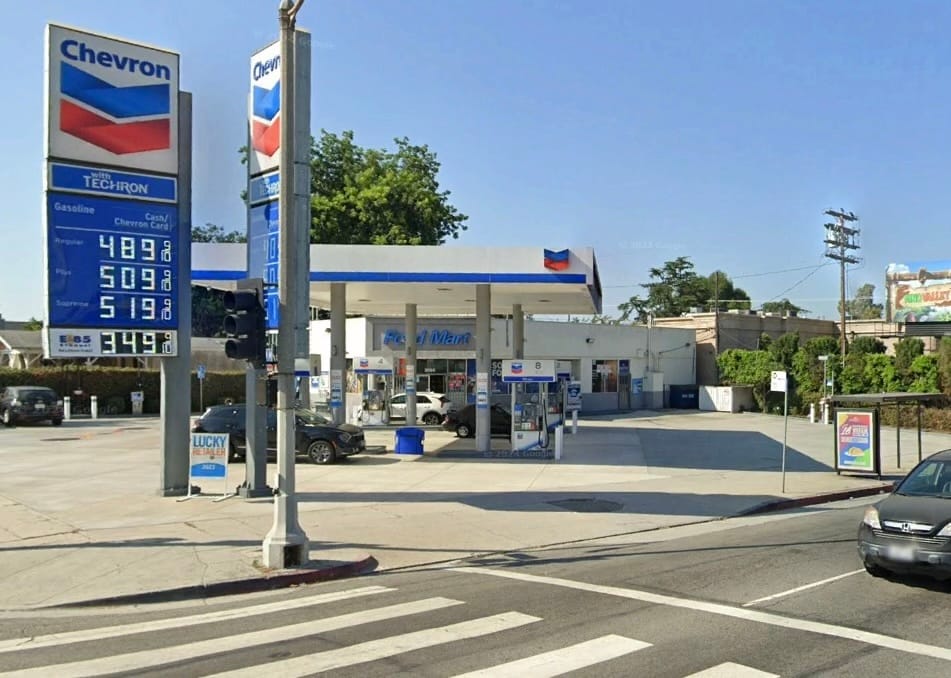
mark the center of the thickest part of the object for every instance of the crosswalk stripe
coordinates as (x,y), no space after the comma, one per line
(29,643)
(382,648)
(135,661)
(561,661)
(731,670)
(744,613)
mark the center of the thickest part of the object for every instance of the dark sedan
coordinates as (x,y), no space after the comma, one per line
(910,530)
(462,422)
(317,438)
(20,404)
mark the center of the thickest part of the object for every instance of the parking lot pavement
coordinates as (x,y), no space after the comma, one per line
(81,518)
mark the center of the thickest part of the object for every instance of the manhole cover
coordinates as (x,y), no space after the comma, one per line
(588,505)
(57,440)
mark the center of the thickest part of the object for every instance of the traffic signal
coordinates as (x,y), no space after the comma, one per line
(245,322)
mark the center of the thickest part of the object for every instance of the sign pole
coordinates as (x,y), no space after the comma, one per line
(785,430)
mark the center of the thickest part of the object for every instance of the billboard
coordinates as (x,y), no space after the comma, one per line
(111,102)
(111,226)
(919,291)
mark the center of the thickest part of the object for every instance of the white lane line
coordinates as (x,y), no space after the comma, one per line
(731,670)
(804,587)
(561,661)
(381,648)
(136,661)
(102,633)
(743,613)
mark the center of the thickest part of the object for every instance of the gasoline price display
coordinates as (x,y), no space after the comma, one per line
(136,342)
(112,265)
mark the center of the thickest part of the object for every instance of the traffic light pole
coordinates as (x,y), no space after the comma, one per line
(286,545)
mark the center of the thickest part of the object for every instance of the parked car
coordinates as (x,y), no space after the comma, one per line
(463,423)
(431,408)
(317,437)
(910,530)
(20,404)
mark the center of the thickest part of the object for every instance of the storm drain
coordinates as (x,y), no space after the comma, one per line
(588,505)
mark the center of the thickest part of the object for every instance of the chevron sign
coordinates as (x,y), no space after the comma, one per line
(264,115)
(111,102)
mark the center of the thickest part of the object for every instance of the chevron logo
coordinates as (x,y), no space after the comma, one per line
(120,120)
(266,127)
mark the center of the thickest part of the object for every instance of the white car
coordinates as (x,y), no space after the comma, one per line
(431,408)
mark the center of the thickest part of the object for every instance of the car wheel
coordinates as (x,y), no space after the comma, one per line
(7,418)
(233,455)
(56,422)
(431,418)
(463,431)
(873,569)
(321,452)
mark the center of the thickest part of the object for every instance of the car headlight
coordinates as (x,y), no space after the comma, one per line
(871,518)
(945,531)
(344,437)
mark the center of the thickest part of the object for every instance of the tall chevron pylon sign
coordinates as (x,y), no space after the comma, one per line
(266,119)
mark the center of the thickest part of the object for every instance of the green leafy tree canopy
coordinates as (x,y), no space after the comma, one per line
(862,306)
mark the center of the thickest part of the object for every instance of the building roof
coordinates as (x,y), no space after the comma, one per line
(21,340)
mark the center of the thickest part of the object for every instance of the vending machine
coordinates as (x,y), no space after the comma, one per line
(534,413)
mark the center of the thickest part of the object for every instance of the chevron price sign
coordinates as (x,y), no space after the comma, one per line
(111,225)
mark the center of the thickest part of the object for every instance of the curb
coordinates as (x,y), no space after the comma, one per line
(785,504)
(285,579)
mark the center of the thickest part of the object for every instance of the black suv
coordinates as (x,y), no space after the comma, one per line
(30,403)
(315,436)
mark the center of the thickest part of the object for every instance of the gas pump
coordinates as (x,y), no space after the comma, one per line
(531,405)
(377,376)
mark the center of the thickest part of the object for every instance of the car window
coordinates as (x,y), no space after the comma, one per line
(398,400)
(930,479)
(422,399)
(311,418)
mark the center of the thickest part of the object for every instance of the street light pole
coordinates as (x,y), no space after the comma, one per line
(286,545)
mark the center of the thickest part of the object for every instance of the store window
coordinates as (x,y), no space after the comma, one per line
(604,376)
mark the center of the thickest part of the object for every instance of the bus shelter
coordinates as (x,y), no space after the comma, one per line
(857,427)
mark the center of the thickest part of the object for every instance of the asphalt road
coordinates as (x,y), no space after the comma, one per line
(780,595)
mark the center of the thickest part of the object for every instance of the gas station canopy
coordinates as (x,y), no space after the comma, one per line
(440,280)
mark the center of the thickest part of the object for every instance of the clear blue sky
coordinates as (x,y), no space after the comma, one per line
(648,130)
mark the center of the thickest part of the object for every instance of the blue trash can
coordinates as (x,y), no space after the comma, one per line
(409,440)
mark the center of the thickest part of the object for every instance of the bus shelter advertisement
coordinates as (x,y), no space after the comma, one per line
(856,441)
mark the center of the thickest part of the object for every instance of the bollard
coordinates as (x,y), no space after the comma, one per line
(825,413)
(812,413)
(574,422)
(559,441)
(67,412)
(94,406)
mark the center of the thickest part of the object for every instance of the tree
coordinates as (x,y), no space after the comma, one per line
(214,233)
(906,350)
(377,196)
(863,345)
(724,295)
(33,324)
(784,307)
(862,307)
(673,289)
(783,349)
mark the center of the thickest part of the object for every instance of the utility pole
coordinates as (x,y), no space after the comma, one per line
(840,240)
(716,329)
(286,545)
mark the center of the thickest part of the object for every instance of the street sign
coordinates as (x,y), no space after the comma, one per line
(573,402)
(201,372)
(777,381)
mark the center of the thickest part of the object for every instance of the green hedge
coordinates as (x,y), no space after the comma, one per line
(112,386)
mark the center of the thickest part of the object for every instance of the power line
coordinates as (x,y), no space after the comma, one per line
(800,282)
(734,277)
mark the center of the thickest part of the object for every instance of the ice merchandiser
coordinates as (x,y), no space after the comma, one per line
(532,416)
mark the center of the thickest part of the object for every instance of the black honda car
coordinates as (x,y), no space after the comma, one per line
(910,530)
(463,422)
(317,438)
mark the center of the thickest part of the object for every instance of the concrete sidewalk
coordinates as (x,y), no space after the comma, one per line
(81,522)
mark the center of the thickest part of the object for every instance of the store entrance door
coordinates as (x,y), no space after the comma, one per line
(624,391)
